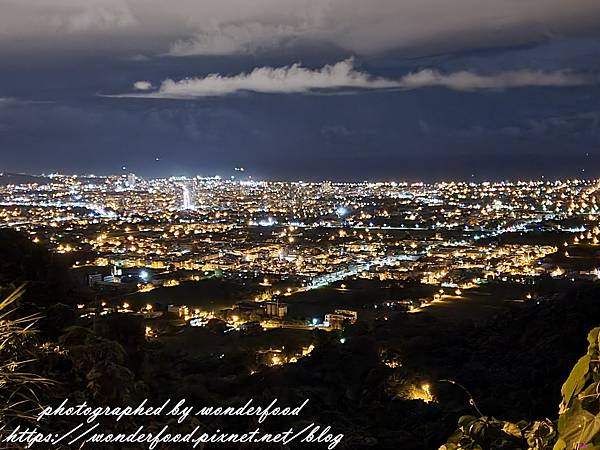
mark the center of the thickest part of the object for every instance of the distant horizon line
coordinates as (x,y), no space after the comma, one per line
(249,178)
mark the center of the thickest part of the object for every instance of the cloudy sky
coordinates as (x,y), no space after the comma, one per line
(302,89)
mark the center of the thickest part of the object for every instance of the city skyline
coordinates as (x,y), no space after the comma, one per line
(232,176)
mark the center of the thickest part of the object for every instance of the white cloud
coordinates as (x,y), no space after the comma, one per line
(236,39)
(287,79)
(343,76)
(469,81)
(142,85)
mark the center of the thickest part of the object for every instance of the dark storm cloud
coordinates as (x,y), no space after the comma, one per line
(217,27)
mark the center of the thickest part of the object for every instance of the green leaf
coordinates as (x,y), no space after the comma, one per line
(576,380)
(465,421)
(449,447)
(578,426)
(593,337)
(512,429)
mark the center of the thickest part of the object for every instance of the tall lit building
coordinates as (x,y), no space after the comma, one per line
(188,201)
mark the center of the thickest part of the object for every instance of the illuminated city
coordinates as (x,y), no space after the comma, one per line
(262,275)
(127,235)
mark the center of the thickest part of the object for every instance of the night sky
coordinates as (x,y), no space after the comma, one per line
(302,89)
